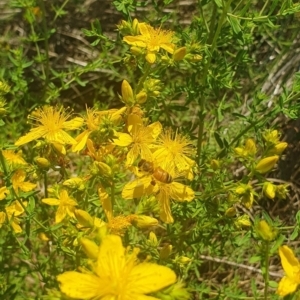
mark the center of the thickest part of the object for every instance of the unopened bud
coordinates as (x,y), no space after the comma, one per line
(84,218)
(215,164)
(265,231)
(165,251)
(42,162)
(266,164)
(230,212)
(179,54)
(136,50)
(90,248)
(278,149)
(282,191)
(243,222)
(141,97)
(269,190)
(145,222)
(127,93)
(152,240)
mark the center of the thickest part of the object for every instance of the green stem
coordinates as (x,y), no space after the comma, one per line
(46,184)
(45,29)
(266,275)
(202,100)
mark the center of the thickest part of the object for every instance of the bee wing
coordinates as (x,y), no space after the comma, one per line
(138,187)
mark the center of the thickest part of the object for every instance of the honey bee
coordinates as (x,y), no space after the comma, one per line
(158,173)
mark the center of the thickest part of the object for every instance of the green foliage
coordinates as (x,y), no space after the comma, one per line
(219,85)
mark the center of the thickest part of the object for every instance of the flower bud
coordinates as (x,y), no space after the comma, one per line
(145,221)
(266,164)
(127,93)
(165,251)
(250,147)
(141,97)
(281,191)
(269,190)
(84,218)
(136,50)
(152,240)
(103,168)
(182,260)
(179,54)
(75,183)
(230,212)
(59,148)
(42,162)
(215,164)
(243,222)
(265,231)
(89,247)
(278,148)
(43,237)
(135,27)
(271,137)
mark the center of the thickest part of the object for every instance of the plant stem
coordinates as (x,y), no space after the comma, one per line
(266,275)
(202,100)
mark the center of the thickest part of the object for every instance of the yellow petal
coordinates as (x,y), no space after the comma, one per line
(148,278)
(51,201)
(165,209)
(156,128)
(3,192)
(286,286)
(27,186)
(111,253)
(137,41)
(181,192)
(151,57)
(34,134)
(289,262)
(138,188)
(79,286)
(144,29)
(81,140)
(73,124)
(169,47)
(123,140)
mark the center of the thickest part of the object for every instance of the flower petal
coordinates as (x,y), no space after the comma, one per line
(123,140)
(51,201)
(73,124)
(34,134)
(289,262)
(137,41)
(78,285)
(111,258)
(181,192)
(148,278)
(286,286)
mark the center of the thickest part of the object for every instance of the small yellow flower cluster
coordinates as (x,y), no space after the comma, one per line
(117,155)
(259,163)
(154,44)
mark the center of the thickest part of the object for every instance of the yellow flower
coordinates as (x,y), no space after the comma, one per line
(66,205)
(12,212)
(116,275)
(139,139)
(51,124)
(19,183)
(162,191)
(152,39)
(289,283)
(14,159)
(95,120)
(173,149)
(116,225)
(92,121)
